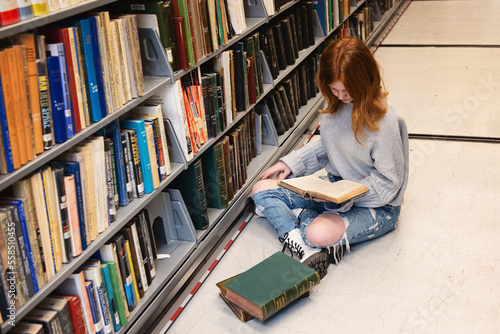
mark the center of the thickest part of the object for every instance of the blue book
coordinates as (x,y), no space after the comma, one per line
(25,239)
(96,316)
(5,133)
(106,278)
(92,272)
(88,55)
(25,11)
(57,99)
(321,9)
(73,168)
(113,132)
(98,62)
(57,49)
(139,127)
(124,268)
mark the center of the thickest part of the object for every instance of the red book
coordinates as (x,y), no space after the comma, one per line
(181,42)
(8,12)
(76,312)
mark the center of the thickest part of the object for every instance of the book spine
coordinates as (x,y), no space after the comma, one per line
(109,179)
(5,133)
(129,165)
(9,13)
(125,271)
(149,246)
(108,287)
(62,208)
(57,99)
(139,180)
(138,259)
(153,155)
(40,7)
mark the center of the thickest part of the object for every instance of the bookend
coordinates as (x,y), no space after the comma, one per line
(174,147)
(170,222)
(256,8)
(153,56)
(266,70)
(269,134)
(319,29)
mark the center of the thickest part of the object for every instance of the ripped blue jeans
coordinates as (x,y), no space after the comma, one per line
(362,224)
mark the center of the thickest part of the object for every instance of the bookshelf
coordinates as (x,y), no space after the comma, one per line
(186,255)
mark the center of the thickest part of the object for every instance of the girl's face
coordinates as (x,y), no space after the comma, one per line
(339,91)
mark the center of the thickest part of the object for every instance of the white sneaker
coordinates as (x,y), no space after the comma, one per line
(316,258)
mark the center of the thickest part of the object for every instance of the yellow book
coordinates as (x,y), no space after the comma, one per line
(132,271)
(43,223)
(40,7)
(50,198)
(152,155)
(90,192)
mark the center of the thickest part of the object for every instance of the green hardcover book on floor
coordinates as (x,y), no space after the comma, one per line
(269,286)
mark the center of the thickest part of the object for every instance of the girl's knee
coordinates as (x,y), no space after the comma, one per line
(264,185)
(326,230)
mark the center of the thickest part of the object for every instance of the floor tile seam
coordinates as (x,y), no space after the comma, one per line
(475,139)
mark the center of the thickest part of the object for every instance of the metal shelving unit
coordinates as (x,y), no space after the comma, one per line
(186,257)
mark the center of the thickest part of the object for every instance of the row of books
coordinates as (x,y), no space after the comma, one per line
(293,31)
(58,210)
(202,104)
(189,30)
(13,11)
(61,80)
(293,92)
(100,295)
(213,179)
(332,13)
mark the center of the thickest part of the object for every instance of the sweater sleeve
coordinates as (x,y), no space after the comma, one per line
(308,159)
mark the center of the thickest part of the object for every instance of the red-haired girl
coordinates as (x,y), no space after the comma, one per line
(363,139)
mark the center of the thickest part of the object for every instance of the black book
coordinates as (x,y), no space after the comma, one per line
(286,32)
(298,27)
(109,179)
(139,182)
(208,96)
(129,166)
(281,109)
(62,206)
(312,68)
(293,30)
(279,46)
(220,101)
(258,63)
(290,93)
(125,271)
(302,9)
(271,56)
(239,72)
(311,22)
(273,110)
(151,235)
(303,84)
(289,112)
(114,171)
(146,239)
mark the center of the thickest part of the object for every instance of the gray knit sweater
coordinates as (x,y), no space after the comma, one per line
(381,164)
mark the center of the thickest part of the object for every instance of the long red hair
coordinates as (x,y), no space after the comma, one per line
(350,61)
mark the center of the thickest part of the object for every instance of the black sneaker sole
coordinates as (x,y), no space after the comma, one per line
(319,262)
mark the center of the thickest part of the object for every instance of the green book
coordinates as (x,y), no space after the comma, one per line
(191,185)
(113,275)
(269,286)
(214,176)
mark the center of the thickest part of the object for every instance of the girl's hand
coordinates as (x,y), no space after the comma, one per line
(280,168)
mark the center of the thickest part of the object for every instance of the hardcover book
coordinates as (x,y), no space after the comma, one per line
(311,186)
(262,290)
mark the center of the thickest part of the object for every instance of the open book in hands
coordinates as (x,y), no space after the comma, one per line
(311,186)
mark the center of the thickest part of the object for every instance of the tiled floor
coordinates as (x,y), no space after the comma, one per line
(439,271)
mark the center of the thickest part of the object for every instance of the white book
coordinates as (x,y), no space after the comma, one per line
(101,186)
(174,111)
(228,100)
(54,5)
(73,285)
